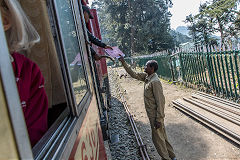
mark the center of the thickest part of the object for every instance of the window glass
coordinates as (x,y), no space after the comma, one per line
(71,47)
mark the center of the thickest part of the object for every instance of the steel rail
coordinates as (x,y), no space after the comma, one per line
(219,106)
(142,147)
(139,136)
(224,101)
(133,128)
(225,110)
(216,112)
(211,124)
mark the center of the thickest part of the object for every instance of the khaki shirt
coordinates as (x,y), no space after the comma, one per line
(153,93)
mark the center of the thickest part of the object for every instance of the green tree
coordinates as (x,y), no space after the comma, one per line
(223,16)
(192,27)
(179,38)
(214,16)
(137,27)
(204,27)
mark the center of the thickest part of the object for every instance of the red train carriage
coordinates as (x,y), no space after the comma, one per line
(77,95)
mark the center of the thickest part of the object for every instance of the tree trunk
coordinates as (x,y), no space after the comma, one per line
(220,30)
(132,28)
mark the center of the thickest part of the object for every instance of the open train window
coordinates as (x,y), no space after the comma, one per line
(72,49)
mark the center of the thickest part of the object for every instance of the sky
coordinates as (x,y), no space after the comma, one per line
(90,2)
(181,9)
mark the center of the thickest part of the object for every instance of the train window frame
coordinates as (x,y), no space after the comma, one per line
(12,99)
(76,108)
(65,129)
(83,26)
(63,133)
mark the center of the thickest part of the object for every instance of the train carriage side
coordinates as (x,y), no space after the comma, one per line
(75,108)
(102,76)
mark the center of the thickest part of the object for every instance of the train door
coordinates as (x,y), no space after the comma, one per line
(100,68)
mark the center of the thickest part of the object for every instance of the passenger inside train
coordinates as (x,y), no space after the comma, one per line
(91,37)
(21,35)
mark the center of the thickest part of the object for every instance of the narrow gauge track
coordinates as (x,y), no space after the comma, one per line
(120,95)
(218,114)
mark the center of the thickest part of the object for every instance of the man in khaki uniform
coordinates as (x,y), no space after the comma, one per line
(154,104)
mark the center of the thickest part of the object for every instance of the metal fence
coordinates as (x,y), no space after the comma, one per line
(164,62)
(209,70)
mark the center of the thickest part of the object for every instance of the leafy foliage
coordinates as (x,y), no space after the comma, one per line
(179,38)
(216,16)
(136,26)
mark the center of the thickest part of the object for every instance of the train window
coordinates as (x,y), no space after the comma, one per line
(61,119)
(71,48)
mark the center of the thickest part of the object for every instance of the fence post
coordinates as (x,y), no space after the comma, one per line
(181,66)
(172,70)
(220,73)
(236,66)
(228,74)
(216,74)
(204,69)
(209,70)
(233,75)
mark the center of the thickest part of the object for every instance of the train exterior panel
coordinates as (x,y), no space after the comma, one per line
(89,144)
(97,33)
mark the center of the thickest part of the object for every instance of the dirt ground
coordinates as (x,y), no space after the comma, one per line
(190,139)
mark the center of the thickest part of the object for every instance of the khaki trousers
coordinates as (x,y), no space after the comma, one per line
(160,141)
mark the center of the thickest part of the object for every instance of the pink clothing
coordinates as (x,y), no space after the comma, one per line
(30,83)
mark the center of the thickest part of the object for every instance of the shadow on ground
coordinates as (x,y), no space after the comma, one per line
(186,141)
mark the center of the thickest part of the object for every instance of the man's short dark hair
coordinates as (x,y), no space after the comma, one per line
(154,64)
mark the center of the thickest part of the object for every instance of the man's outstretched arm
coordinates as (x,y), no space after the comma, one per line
(133,74)
(97,41)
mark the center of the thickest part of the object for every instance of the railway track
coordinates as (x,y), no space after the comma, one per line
(219,114)
(119,94)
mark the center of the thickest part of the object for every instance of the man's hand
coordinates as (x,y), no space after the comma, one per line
(121,59)
(157,124)
(97,57)
(88,43)
(108,47)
